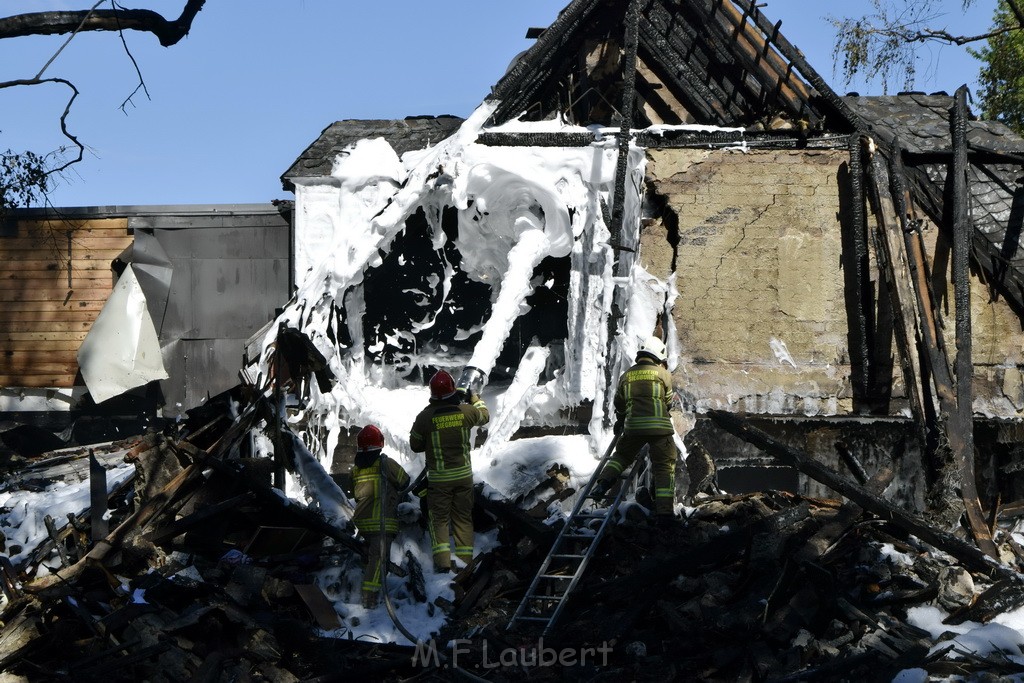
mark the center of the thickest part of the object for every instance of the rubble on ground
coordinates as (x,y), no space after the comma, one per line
(208,573)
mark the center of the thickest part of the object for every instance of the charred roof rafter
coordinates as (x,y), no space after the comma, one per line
(662,36)
(721,60)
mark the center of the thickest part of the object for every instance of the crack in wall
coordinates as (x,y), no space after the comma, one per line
(759,214)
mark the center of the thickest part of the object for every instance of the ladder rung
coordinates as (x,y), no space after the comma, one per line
(533,619)
(557,576)
(567,557)
(589,515)
(543,597)
(590,536)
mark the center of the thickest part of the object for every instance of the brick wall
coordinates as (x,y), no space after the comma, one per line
(759,258)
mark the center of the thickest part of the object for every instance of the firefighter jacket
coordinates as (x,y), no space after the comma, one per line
(643,398)
(441,432)
(367,482)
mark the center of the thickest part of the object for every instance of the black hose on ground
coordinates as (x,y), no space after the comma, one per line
(385,551)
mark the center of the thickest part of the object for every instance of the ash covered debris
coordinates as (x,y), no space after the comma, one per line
(208,573)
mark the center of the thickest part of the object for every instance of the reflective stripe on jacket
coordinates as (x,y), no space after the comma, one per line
(643,398)
(366,482)
(441,431)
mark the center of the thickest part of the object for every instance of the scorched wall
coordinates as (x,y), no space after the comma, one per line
(756,241)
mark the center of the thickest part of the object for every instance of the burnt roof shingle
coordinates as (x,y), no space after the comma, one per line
(404,135)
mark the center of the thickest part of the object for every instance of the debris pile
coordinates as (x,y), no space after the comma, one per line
(208,573)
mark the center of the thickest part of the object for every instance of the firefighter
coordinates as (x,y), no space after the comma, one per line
(642,403)
(442,432)
(375,507)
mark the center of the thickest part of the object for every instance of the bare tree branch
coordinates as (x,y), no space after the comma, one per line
(943,36)
(142,82)
(63,117)
(54,23)
(70,38)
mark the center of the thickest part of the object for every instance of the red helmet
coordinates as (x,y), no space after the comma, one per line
(442,385)
(369,439)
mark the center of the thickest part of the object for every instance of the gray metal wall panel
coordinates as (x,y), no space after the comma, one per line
(177,243)
(237,242)
(208,222)
(211,366)
(226,285)
(235,297)
(178,317)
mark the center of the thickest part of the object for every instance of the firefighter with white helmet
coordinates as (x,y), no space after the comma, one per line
(642,402)
(441,432)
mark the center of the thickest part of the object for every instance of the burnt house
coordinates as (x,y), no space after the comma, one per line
(804,243)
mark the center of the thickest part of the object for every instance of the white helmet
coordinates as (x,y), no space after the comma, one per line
(654,347)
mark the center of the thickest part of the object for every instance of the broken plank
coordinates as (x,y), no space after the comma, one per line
(182,525)
(97,498)
(319,606)
(966,553)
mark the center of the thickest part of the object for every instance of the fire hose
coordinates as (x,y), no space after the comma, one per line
(385,552)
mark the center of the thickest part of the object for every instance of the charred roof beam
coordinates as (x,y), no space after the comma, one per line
(753,52)
(796,58)
(686,83)
(693,74)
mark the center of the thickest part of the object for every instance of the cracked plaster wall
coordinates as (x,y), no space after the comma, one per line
(757,249)
(758,260)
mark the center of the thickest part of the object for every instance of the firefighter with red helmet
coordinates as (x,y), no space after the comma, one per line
(442,433)
(378,481)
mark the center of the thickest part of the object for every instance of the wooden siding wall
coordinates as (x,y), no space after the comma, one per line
(54,278)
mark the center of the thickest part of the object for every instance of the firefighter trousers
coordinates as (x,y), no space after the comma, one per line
(450,515)
(663,456)
(373,572)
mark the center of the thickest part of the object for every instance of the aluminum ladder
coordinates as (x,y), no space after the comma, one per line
(575,544)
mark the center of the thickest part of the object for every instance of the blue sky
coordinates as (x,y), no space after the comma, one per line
(255,82)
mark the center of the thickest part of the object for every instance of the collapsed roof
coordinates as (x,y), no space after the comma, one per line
(919,124)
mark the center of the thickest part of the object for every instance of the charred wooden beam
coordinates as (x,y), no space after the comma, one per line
(57,537)
(815,547)
(182,525)
(958,430)
(677,43)
(113,540)
(497,139)
(47,546)
(755,54)
(893,264)
(620,265)
(969,555)
(8,579)
(671,139)
(856,469)
(791,53)
(704,96)
(99,528)
(521,82)
(962,235)
(761,44)
(861,264)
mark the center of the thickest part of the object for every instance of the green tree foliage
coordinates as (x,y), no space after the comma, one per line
(23,179)
(884,42)
(1002,71)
